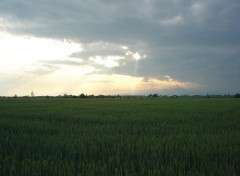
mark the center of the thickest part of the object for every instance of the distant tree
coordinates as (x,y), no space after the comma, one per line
(237,95)
(32,94)
(82,95)
(153,95)
(91,96)
(15,96)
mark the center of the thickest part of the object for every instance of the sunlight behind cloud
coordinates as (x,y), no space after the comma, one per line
(167,83)
(108,61)
(136,56)
(188,40)
(21,52)
(48,67)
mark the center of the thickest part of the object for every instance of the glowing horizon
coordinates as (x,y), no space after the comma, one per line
(66,78)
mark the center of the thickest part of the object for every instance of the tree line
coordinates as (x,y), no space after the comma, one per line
(155,95)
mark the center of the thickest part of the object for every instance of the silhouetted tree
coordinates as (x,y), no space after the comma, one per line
(237,95)
(82,95)
(153,95)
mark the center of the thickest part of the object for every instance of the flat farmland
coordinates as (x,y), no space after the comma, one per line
(136,136)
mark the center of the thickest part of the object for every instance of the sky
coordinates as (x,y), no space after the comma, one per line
(123,47)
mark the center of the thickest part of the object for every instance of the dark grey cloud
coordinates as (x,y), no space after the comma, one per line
(192,40)
(203,22)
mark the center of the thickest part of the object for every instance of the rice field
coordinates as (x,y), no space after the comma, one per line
(137,136)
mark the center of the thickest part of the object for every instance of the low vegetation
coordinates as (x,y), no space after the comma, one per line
(163,136)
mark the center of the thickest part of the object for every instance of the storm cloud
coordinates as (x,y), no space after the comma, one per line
(196,42)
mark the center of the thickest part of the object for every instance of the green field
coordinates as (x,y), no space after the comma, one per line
(162,136)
